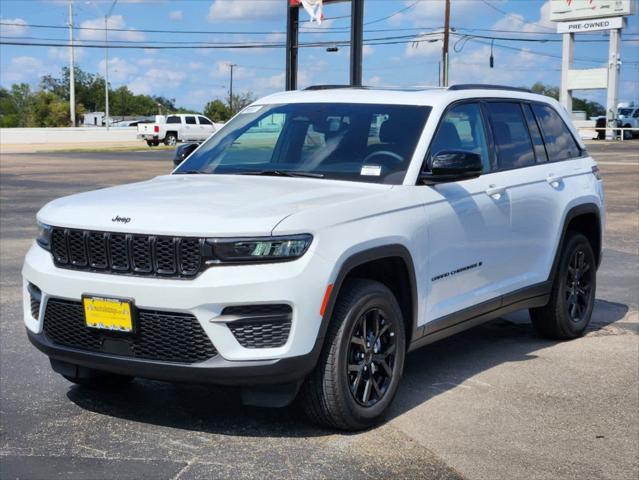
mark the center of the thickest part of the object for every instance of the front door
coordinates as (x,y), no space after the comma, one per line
(468,223)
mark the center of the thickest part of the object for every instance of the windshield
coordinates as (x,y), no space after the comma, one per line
(343,141)
(626,112)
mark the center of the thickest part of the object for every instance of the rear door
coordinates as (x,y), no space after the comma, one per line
(191,129)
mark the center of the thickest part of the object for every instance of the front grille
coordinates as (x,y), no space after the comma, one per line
(163,336)
(260,326)
(129,254)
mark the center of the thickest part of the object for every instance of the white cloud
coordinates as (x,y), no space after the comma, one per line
(244,10)
(115,21)
(19,27)
(119,70)
(221,69)
(375,81)
(514,21)
(367,50)
(22,69)
(196,65)
(176,15)
(62,54)
(157,78)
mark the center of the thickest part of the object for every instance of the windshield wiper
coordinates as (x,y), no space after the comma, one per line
(189,172)
(282,173)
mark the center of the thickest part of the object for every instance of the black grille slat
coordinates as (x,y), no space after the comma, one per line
(131,254)
(97,243)
(165,257)
(59,246)
(264,326)
(141,255)
(35,308)
(77,249)
(162,336)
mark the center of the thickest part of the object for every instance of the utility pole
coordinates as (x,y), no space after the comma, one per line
(106,64)
(231,66)
(445,48)
(614,64)
(71,67)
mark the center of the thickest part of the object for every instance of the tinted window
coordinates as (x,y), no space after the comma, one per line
(636,114)
(510,131)
(560,143)
(173,119)
(535,134)
(344,141)
(190,120)
(462,128)
(204,121)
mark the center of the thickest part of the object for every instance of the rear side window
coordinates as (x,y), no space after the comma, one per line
(535,134)
(510,131)
(173,120)
(560,143)
(204,121)
(190,120)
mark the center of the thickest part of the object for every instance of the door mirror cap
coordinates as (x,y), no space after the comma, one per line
(453,166)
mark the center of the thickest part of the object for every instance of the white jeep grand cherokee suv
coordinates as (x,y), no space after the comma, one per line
(317,238)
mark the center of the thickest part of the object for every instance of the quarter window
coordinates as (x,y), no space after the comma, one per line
(512,139)
(560,143)
(462,129)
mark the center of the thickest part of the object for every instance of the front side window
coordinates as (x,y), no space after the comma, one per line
(342,141)
(173,119)
(190,120)
(560,143)
(462,128)
(510,131)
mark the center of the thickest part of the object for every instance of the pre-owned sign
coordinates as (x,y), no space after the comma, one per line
(590,25)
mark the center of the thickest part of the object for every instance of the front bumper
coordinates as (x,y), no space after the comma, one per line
(203,297)
(217,370)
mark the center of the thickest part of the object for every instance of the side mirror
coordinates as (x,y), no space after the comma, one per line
(453,166)
(183,151)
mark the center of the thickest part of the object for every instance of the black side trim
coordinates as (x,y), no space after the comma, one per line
(535,296)
(583,209)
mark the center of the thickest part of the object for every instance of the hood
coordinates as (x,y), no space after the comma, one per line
(201,205)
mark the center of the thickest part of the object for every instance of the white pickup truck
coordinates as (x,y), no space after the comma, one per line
(176,128)
(628,115)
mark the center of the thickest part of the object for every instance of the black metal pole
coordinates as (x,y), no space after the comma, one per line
(292,37)
(357,41)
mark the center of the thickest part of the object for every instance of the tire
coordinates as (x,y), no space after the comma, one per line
(101,381)
(627,134)
(572,298)
(170,139)
(332,395)
(151,143)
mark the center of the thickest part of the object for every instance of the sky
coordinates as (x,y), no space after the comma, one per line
(195,76)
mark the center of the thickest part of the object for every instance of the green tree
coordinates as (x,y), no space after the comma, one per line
(592,109)
(9,113)
(217,111)
(241,100)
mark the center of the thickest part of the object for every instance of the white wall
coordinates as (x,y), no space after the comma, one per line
(66,135)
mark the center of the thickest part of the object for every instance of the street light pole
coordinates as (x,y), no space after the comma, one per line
(106,63)
(231,65)
(72,67)
(445,48)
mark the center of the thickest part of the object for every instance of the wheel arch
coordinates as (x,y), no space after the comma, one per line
(584,218)
(391,265)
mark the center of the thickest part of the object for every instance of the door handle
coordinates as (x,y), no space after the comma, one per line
(495,191)
(554,180)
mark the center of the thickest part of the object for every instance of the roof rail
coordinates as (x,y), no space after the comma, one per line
(331,87)
(479,86)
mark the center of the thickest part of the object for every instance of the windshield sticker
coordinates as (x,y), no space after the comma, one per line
(252,109)
(371,171)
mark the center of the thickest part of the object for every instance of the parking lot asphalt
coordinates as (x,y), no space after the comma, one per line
(496,402)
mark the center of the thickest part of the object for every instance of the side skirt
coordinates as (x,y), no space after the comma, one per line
(530,297)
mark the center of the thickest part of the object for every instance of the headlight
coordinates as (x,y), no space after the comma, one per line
(44,236)
(261,249)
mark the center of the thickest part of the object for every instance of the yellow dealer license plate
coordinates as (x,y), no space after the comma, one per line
(108,313)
